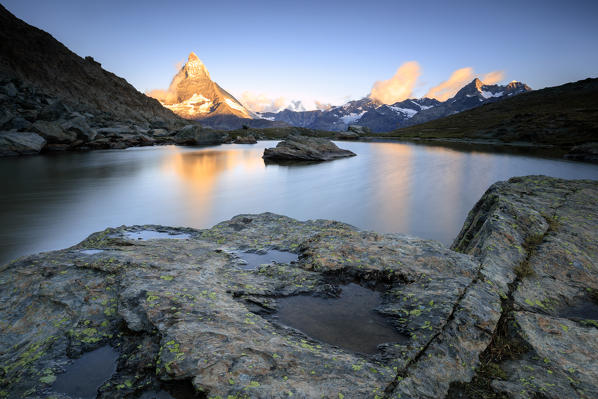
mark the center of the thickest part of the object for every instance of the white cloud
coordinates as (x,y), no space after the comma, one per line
(399,87)
(260,102)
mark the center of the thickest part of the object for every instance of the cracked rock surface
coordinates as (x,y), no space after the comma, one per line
(179,306)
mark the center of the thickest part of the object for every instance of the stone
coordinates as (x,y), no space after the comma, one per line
(358,129)
(54,111)
(53,133)
(347,136)
(304,148)
(20,143)
(540,234)
(586,152)
(249,139)
(160,133)
(79,126)
(196,135)
(18,123)
(5,117)
(10,90)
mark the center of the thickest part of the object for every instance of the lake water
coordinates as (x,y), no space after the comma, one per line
(54,201)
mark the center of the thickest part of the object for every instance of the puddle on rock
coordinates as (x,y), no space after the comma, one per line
(91,251)
(349,321)
(154,235)
(254,260)
(87,373)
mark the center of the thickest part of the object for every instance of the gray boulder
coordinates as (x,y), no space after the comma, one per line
(196,135)
(53,111)
(245,140)
(9,89)
(53,132)
(359,129)
(18,123)
(585,152)
(347,136)
(20,143)
(79,126)
(304,148)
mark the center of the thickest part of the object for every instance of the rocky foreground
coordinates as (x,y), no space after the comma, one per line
(510,311)
(297,148)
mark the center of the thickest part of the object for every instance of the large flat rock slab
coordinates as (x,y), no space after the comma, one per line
(180,305)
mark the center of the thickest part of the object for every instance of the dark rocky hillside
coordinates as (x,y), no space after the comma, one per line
(33,56)
(52,100)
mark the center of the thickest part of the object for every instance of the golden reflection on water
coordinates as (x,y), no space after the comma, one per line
(198,172)
(393,191)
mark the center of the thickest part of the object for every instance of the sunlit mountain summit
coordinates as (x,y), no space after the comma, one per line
(193,95)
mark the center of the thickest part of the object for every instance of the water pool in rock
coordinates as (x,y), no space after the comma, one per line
(254,260)
(86,374)
(349,321)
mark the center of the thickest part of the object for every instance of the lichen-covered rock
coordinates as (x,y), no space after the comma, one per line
(184,309)
(210,320)
(304,148)
(542,232)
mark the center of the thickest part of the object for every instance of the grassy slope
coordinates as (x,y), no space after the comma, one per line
(563,116)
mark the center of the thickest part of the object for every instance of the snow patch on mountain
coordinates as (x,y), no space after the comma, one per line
(408,112)
(488,94)
(197,104)
(351,118)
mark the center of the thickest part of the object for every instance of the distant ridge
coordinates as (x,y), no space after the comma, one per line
(562,116)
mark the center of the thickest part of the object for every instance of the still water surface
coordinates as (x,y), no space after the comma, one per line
(54,201)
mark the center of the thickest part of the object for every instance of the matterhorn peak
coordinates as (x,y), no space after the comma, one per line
(194,68)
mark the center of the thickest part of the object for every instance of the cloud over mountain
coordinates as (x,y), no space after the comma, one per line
(458,79)
(399,87)
(260,102)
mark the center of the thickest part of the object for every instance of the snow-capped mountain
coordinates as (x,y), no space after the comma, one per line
(193,95)
(385,117)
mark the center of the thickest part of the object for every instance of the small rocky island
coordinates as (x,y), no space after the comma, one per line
(297,148)
(511,309)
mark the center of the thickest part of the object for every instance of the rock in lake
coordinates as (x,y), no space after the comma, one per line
(510,310)
(20,143)
(305,148)
(245,140)
(196,135)
(585,152)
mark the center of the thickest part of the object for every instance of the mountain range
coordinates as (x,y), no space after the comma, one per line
(380,117)
(193,95)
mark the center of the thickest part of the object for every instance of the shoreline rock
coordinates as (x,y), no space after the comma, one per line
(184,310)
(249,139)
(297,148)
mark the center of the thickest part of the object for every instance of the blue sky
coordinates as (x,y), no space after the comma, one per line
(328,51)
